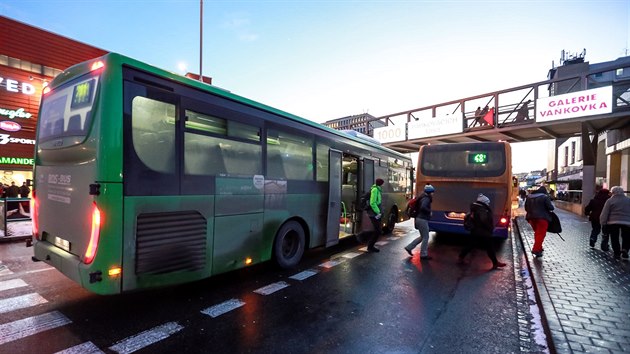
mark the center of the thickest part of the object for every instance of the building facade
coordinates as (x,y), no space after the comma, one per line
(362,123)
(29,59)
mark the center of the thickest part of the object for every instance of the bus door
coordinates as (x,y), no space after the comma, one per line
(334,197)
(366,179)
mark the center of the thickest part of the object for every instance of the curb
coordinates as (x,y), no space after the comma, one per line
(556,339)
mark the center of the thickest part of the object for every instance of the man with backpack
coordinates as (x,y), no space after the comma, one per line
(421,223)
(375,214)
(481,227)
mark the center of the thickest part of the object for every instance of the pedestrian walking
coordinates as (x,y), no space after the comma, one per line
(615,219)
(538,209)
(481,232)
(375,214)
(593,210)
(13,191)
(421,223)
(24,190)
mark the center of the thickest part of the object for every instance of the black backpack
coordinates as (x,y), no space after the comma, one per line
(364,201)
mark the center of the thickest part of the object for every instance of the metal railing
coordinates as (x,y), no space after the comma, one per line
(15,218)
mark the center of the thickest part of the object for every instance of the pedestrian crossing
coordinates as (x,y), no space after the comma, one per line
(11,282)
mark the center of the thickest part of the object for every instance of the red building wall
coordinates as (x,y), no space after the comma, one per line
(21,87)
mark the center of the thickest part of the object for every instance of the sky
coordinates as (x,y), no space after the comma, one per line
(327,59)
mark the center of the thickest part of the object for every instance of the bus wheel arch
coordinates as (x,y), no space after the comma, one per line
(289,244)
(392,218)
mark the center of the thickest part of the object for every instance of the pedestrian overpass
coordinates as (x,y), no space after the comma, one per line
(584,105)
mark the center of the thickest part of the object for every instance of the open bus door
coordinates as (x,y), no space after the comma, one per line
(334,197)
(366,179)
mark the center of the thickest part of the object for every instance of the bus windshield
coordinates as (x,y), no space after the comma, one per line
(66,112)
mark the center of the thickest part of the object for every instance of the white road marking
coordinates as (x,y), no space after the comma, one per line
(85,348)
(350,255)
(146,338)
(4,270)
(20,302)
(12,284)
(39,270)
(331,263)
(382,243)
(271,288)
(363,249)
(31,325)
(303,275)
(224,307)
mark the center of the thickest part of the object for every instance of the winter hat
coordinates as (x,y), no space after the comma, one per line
(429,189)
(617,190)
(483,199)
(379,182)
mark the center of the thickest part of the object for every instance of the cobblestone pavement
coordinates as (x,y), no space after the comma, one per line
(584,293)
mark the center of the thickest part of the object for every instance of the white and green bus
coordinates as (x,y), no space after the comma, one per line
(145,178)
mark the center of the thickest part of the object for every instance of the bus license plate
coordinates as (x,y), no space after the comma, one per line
(63,244)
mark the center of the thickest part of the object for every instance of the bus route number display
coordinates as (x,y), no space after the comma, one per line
(82,94)
(478,158)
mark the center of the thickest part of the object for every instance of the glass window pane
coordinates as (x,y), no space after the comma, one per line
(289,156)
(207,155)
(206,123)
(322,162)
(153,126)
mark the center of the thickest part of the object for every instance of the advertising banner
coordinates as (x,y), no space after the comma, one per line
(441,125)
(574,104)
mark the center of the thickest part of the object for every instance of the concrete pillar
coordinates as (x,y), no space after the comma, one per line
(588,185)
(614,170)
(623,171)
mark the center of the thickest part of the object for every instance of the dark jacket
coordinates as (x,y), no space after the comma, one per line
(482,220)
(595,206)
(424,206)
(538,205)
(13,191)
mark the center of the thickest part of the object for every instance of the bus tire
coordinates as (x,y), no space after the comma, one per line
(288,246)
(391,222)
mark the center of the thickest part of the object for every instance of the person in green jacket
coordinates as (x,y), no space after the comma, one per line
(375,213)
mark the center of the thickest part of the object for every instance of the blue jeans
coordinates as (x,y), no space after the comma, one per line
(423,227)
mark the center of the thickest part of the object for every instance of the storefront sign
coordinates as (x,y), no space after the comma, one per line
(15,161)
(575,104)
(10,126)
(16,86)
(7,139)
(15,113)
(429,127)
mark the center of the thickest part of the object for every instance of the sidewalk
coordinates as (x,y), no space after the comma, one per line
(584,293)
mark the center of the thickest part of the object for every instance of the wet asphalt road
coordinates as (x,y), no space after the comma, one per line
(355,302)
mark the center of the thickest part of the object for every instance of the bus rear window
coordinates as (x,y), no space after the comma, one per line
(66,111)
(454,161)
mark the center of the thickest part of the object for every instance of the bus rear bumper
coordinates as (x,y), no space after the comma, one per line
(458,228)
(65,262)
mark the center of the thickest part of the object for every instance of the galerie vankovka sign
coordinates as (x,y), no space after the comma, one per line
(575,104)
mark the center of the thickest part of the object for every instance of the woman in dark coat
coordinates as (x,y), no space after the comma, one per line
(481,233)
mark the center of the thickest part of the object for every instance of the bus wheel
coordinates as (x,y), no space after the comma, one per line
(391,222)
(288,246)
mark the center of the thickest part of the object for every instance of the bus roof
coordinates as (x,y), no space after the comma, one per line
(119,59)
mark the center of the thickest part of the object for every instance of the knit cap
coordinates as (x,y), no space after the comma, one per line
(429,189)
(483,199)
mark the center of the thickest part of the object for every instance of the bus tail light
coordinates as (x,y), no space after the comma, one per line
(97,65)
(95,234)
(503,220)
(34,215)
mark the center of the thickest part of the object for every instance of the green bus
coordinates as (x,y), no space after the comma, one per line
(145,178)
